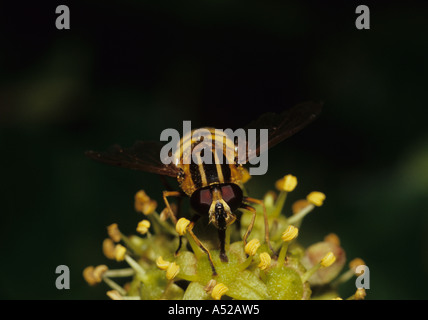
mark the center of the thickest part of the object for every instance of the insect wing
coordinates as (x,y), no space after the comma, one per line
(143,156)
(280,126)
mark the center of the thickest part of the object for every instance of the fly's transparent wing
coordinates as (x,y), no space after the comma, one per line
(143,156)
(280,126)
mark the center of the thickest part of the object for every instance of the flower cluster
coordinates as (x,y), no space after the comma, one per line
(156,270)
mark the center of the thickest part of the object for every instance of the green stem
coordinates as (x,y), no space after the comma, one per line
(310,272)
(279,204)
(129,244)
(196,250)
(343,278)
(120,273)
(168,285)
(244,265)
(114,285)
(138,269)
(156,221)
(283,253)
(299,216)
(263,276)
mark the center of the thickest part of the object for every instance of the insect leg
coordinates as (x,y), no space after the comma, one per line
(250,226)
(200,245)
(257,201)
(167,194)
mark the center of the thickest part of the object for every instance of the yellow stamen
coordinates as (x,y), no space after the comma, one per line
(265,260)
(269,199)
(328,260)
(143,203)
(108,248)
(210,286)
(120,252)
(143,226)
(162,264)
(252,246)
(337,298)
(149,207)
(113,232)
(141,197)
(164,214)
(325,262)
(99,271)
(355,263)
(316,198)
(288,183)
(360,294)
(284,185)
(172,271)
(290,233)
(332,238)
(218,291)
(88,275)
(114,295)
(94,275)
(181,226)
(349,273)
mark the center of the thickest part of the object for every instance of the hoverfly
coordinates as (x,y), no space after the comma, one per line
(213,188)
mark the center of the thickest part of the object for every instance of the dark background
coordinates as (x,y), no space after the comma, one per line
(127,70)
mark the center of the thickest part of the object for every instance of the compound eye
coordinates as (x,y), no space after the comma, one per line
(201,201)
(205,197)
(232,194)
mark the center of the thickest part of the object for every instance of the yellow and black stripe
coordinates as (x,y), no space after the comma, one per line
(198,174)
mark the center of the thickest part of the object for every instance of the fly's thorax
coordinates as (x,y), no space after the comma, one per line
(204,138)
(206,157)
